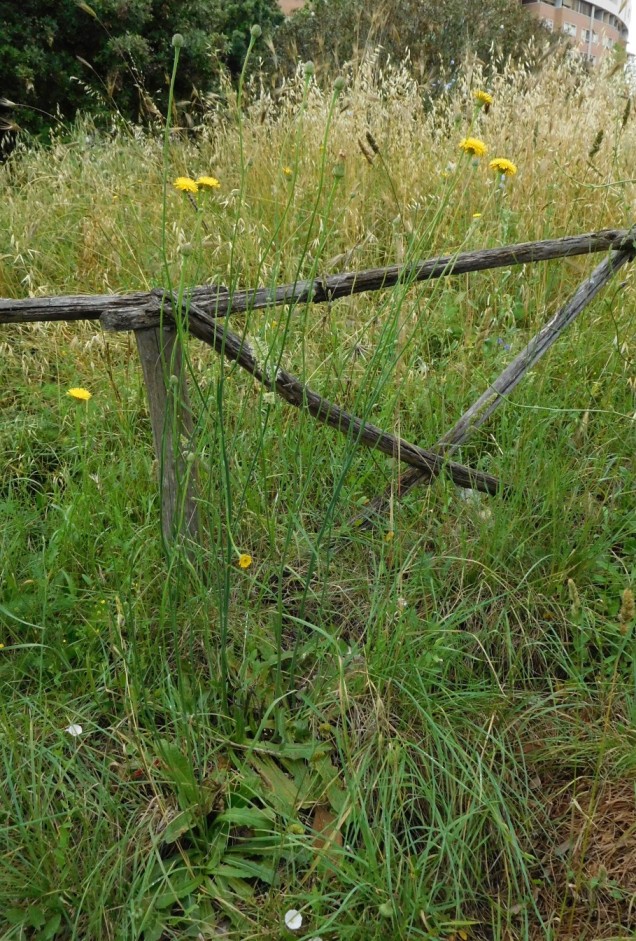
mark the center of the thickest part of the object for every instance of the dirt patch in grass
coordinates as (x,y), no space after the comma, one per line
(590,871)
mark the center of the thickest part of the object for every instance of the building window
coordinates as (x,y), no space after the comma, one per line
(584,8)
(569,29)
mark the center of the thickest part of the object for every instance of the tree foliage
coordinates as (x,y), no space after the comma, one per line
(436,33)
(105,55)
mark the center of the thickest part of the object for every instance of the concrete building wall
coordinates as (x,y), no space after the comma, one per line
(288,6)
(594,27)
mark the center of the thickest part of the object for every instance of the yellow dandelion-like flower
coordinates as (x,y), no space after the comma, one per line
(473,146)
(244,560)
(208,182)
(476,215)
(81,395)
(287,171)
(185,185)
(483,97)
(389,536)
(501,165)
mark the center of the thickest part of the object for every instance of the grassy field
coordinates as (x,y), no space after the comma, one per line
(420,730)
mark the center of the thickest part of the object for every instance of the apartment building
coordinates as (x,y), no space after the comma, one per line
(595,28)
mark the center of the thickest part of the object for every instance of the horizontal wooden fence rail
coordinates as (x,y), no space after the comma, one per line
(141,309)
(151,315)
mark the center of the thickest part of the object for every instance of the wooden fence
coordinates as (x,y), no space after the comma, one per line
(205,311)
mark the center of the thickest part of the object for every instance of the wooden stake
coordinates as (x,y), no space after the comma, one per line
(171,419)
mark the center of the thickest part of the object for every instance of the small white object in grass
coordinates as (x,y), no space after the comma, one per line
(74,730)
(468,495)
(293,920)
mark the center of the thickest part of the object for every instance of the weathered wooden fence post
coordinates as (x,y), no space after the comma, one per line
(162,364)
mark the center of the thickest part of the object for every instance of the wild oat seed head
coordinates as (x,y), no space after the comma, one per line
(483,97)
(81,395)
(473,146)
(208,182)
(575,598)
(373,144)
(501,165)
(185,185)
(627,612)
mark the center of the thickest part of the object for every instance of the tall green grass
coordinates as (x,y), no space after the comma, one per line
(448,697)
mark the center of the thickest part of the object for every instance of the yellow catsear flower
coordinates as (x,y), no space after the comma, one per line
(244,560)
(501,165)
(473,146)
(287,171)
(208,182)
(82,395)
(476,215)
(483,97)
(185,185)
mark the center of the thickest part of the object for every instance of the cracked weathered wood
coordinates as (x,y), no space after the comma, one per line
(171,420)
(142,309)
(297,393)
(496,394)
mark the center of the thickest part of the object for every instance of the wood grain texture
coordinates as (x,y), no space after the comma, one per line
(142,310)
(161,360)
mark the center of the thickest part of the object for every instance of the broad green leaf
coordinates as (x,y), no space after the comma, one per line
(179,885)
(179,825)
(285,793)
(50,929)
(246,869)
(247,817)
(311,751)
(179,770)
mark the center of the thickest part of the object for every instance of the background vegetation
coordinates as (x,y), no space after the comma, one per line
(110,58)
(425,730)
(436,34)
